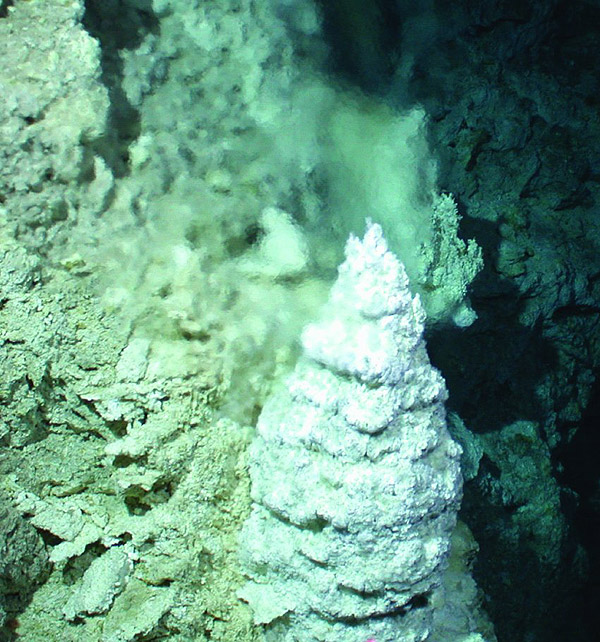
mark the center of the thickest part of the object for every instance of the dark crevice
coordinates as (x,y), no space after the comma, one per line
(364,41)
(580,472)
(4,5)
(118,25)
(418,601)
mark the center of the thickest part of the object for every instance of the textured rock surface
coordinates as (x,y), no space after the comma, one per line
(355,478)
(106,436)
(518,117)
(53,111)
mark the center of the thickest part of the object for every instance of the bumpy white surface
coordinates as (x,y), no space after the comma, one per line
(355,479)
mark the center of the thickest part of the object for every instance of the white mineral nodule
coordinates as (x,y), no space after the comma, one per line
(355,479)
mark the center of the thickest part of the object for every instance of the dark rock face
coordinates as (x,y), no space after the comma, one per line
(24,563)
